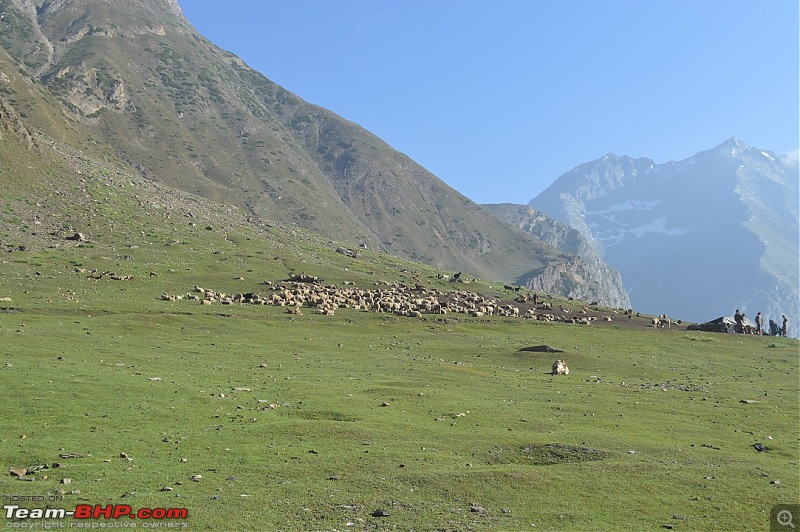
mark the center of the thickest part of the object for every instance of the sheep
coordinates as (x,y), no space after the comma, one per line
(395,298)
(560,368)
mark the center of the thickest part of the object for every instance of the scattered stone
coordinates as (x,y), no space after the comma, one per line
(748,401)
(476,508)
(38,468)
(166,488)
(77,237)
(197,478)
(242,389)
(775,482)
(73,455)
(760,448)
(65,480)
(384,404)
(380,512)
(18,472)
(125,456)
(155,378)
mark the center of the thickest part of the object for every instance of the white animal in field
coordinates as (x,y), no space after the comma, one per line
(560,368)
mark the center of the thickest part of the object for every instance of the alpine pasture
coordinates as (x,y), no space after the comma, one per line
(253,418)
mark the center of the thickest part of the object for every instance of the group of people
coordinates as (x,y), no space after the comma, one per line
(774,330)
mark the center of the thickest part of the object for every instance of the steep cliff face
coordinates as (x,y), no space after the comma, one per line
(576,278)
(12,124)
(583,276)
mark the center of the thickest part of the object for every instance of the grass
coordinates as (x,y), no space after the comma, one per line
(441,423)
(648,429)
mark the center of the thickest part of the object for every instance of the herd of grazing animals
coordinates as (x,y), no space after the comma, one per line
(326,299)
(309,292)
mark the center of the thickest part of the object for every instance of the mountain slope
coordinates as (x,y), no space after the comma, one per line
(696,238)
(187,114)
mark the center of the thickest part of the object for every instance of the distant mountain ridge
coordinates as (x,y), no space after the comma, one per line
(696,238)
(187,114)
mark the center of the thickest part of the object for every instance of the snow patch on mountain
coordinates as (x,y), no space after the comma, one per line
(612,237)
(628,205)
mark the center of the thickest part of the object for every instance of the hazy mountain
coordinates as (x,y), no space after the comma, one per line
(696,238)
(591,278)
(187,114)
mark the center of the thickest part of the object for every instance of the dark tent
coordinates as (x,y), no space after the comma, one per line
(722,324)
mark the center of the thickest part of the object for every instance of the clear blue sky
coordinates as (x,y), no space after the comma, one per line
(500,97)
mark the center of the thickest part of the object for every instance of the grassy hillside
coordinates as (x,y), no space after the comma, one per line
(252,418)
(316,422)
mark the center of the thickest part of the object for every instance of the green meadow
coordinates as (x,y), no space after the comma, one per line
(254,419)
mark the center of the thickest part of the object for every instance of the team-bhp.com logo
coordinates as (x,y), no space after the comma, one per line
(96,511)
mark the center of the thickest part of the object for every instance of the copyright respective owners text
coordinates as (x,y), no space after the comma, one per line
(48,512)
(784,517)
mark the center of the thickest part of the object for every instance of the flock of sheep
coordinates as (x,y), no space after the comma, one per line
(395,298)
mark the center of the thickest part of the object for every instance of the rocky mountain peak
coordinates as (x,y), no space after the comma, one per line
(692,238)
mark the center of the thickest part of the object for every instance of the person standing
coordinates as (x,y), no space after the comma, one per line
(783,328)
(738,318)
(759,324)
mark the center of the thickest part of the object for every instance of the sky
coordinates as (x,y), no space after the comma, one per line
(498,98)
